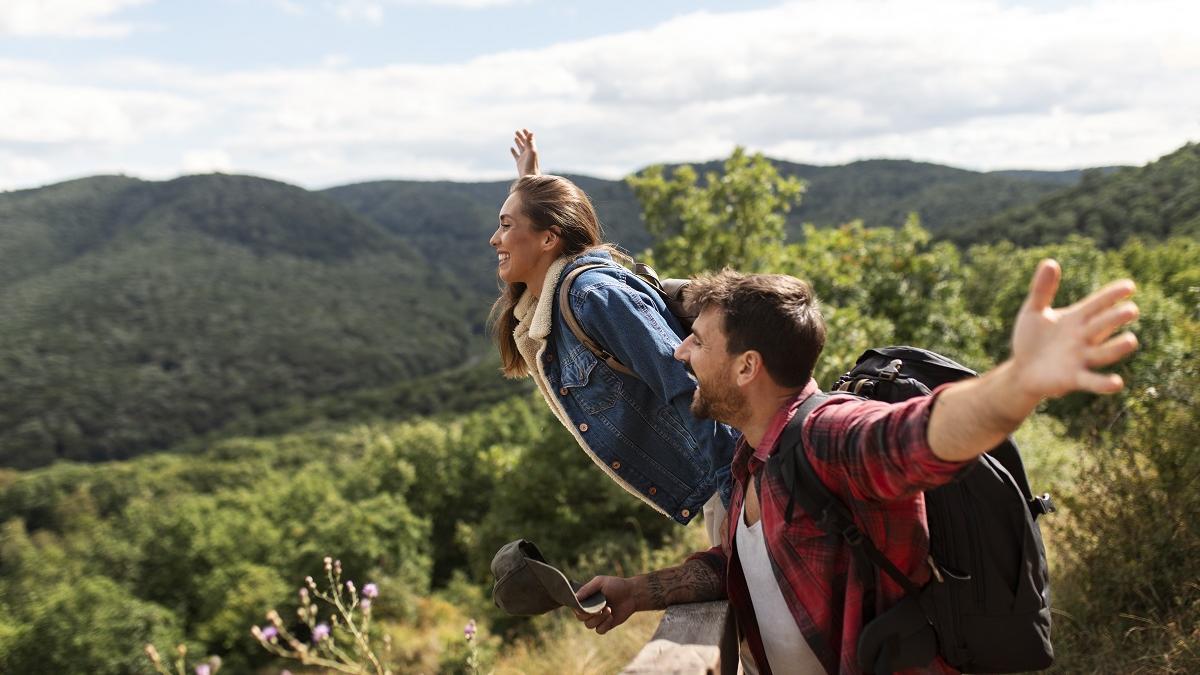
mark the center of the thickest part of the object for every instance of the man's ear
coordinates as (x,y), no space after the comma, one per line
(749,367)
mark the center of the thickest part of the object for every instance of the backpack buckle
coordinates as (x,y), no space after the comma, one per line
(852,535)
(1043,504)
(892,371)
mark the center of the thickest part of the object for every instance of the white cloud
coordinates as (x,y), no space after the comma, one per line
(207,161)
(56,114)
(964,82)
(373,11)
(65,18)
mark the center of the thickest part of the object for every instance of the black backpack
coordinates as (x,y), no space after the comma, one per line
(986,608)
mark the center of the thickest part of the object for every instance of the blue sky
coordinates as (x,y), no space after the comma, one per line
(326,92)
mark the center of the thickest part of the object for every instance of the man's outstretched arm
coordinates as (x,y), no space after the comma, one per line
(693,581)
(1054,352)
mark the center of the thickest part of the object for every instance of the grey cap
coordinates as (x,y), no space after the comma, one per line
(527,585)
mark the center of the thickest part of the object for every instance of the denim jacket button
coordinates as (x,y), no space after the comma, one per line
(653,491)
(685,513)
(563,391)
(583,427)
(616,465)
(549,357)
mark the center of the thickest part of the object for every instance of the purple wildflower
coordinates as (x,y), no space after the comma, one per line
(203,669)
(370,591)
(320,632)
(469,630)
(350,587)
(270,633)
(365,604)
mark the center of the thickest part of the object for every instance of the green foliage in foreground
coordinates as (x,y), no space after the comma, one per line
(168,546)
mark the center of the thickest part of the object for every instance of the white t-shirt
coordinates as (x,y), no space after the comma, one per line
(787,650)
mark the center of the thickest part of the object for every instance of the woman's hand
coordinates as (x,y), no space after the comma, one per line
(525,153)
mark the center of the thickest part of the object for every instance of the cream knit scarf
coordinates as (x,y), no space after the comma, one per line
(535,320)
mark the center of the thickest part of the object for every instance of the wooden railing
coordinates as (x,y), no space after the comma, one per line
(693,639)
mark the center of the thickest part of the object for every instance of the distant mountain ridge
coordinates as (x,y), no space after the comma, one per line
(138,315)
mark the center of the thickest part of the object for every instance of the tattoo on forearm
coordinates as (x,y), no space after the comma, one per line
(691,582)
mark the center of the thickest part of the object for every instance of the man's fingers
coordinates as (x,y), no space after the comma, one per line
(1099,383)
(608,624)
(1104,324)
(1043,286)
(599,618)
(589,588)
(1111,351)
(514,152)
(1106,297)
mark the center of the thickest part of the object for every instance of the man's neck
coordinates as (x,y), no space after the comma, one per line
(762,410)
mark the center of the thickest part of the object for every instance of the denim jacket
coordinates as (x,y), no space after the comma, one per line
(638,429)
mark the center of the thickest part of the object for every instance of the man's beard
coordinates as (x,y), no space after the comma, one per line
(720,402)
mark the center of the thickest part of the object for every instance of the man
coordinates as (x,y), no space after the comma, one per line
(796,597)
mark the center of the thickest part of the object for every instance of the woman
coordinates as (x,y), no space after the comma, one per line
(638,429)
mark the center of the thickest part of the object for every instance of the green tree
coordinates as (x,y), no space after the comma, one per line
(90,625)
(735,218)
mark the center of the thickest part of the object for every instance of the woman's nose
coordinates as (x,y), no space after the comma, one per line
(495,240)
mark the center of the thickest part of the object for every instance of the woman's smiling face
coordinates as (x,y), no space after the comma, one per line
(521,251)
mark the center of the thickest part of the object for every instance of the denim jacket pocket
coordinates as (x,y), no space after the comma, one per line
(594,386)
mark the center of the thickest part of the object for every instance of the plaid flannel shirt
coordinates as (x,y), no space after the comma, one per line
(876,458)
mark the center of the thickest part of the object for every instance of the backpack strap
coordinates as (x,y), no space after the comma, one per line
(564,307)
(828,512)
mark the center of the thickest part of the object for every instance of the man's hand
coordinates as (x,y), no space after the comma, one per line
(1056,351)
(525,153)
(621,596)
(692,581)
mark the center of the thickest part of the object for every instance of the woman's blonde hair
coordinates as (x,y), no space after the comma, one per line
(551,203)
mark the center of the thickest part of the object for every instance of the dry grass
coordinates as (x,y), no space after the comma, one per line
(569,648)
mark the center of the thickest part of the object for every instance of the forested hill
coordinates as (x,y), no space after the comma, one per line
(134,314)
(1154,201)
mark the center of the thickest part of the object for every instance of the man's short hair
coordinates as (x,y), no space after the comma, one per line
(773,314)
